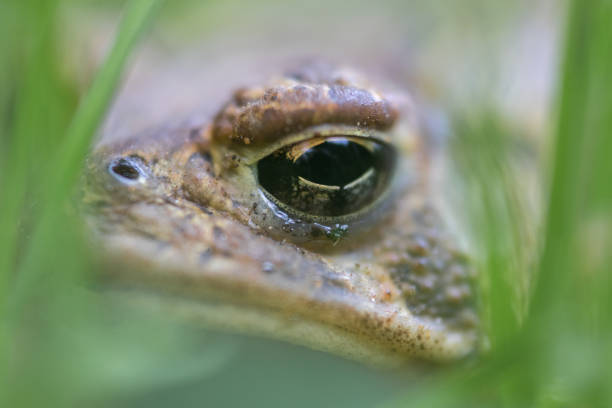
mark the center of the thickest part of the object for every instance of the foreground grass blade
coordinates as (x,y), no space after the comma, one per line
(91,111)
(560,357)
(28,91)
(582,166)
(65,169)
(37,254)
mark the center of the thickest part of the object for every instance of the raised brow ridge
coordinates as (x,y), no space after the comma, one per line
(265,114)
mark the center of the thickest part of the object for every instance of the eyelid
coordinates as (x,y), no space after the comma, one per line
(251,155)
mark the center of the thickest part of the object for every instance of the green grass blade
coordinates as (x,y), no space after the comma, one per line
(46,178)
(560,357)
(32,90)
(581,187)
(65,169)
(91,111)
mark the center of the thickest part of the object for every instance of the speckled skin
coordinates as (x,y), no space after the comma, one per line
(197,237)
(298,101)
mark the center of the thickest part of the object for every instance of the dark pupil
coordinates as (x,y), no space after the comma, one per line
(336,177)
(334,163)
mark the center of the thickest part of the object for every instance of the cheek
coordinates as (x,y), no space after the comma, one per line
(211,193)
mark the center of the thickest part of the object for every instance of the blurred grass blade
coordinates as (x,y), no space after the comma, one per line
(31,96)
(27,96)
(571,305)
(91,111)
(65,168)
(582,168)
(560,357)
(35,234)
(568,159)
(569,321)
(489,160)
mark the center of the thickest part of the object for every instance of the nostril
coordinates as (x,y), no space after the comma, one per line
(125,169)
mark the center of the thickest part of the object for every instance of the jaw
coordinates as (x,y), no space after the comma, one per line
(348,337)
(319,305)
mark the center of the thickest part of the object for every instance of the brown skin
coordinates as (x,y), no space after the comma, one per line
(182,218)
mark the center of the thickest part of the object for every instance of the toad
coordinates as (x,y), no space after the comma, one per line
(302,211)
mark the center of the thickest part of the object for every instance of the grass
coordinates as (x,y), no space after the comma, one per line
(560,355)
(41,164)
(67,158)
(546,293)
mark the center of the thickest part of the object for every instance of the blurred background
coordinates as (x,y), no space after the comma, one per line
(519,92)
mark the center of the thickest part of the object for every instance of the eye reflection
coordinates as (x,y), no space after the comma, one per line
(331,176)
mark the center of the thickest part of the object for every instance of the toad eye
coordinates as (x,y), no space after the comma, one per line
(327,177)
